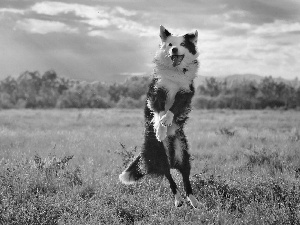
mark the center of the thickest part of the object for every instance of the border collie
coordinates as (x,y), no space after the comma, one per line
(166,112)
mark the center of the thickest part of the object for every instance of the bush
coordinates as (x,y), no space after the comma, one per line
(32,190)
(130,103)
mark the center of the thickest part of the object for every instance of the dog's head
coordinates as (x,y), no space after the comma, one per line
(178,50)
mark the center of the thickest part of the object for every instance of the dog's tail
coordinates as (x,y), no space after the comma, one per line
(133,172)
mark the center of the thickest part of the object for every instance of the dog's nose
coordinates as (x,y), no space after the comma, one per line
(174,50)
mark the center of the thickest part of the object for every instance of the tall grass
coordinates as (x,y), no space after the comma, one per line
(61,167)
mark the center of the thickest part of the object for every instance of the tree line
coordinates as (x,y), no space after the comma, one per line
(35,90)
(267,93)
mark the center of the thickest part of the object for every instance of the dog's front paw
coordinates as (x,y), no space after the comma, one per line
(161,133)
(167,119)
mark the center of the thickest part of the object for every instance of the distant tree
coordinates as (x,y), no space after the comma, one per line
(133,87)
(83,95)
(8,92)
(29,84)
(268,93)
(211,87)
(136,86)
(116,91)
(49,90)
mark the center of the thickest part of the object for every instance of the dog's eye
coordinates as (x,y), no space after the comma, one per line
(182,44)
(170,44)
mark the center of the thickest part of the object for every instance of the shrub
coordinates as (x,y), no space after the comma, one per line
(130,103)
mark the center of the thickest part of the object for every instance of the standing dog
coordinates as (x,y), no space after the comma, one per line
(166,112)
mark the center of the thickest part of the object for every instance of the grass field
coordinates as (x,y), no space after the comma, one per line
(245,168)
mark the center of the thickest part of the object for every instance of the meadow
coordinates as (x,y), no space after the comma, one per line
(62,167)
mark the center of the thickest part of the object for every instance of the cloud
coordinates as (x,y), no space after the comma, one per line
(98,17)
(44,26)
(133,27)
(125,12)
(278,27)
(11,10)
(100,23)
(133,73)
(261,11)
(99,33)
(80,10)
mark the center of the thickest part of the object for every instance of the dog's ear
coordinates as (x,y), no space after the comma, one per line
(192,37)
(196,37)
(164,33)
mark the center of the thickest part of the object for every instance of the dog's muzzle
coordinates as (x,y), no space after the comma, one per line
(176,59)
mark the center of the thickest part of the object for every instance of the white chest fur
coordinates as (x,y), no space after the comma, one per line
(172,88)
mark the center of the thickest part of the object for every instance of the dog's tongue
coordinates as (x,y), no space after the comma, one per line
(176,59)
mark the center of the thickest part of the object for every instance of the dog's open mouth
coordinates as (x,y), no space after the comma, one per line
(176,59)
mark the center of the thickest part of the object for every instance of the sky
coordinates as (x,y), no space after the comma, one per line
(105,40)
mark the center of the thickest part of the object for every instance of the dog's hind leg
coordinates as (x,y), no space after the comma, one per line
(185,169)
(188,189)
(173,186)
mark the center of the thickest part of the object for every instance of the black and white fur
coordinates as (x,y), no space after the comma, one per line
(166,112)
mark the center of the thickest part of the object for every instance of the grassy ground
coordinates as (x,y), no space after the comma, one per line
(245,169)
